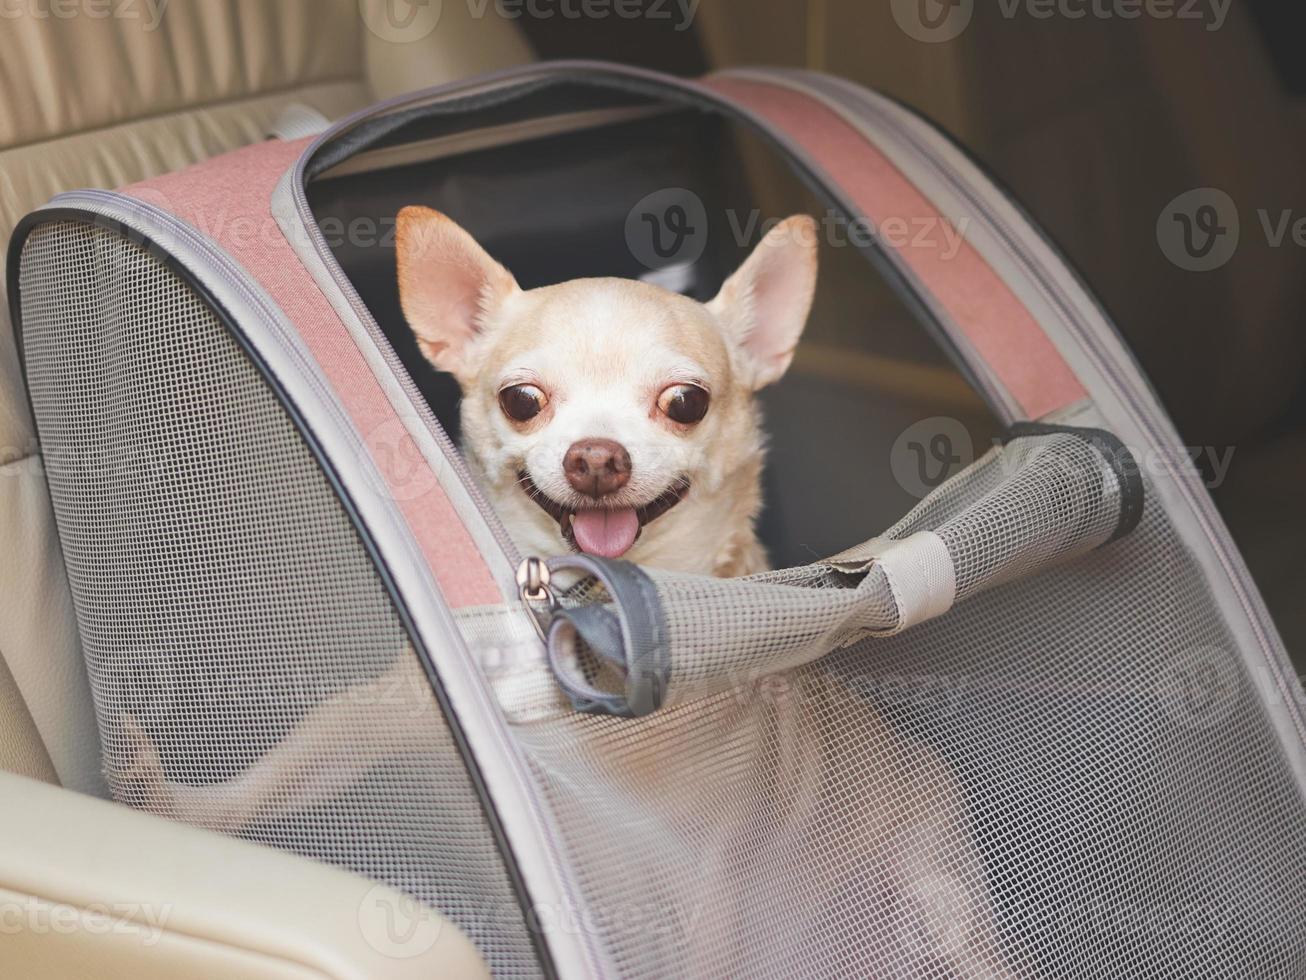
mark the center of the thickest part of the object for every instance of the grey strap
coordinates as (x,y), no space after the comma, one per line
(629,633)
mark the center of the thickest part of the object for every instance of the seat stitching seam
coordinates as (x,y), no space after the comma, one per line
(183,111)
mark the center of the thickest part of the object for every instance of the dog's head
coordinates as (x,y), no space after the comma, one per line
(606,410)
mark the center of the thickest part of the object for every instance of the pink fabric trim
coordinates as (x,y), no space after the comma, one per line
(998,325)
(228,199)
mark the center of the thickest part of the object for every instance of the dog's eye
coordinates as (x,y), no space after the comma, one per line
(685,404)
(521,403)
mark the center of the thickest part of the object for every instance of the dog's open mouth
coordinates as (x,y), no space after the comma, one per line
(608,532)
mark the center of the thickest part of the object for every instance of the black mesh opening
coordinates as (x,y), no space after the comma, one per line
(872,414)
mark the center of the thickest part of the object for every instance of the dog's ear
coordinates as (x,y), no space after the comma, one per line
(764,305)
(448,285)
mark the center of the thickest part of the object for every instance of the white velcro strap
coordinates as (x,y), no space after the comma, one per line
(297,121)
(921,576)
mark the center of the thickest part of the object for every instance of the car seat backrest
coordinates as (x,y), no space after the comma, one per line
(105,94)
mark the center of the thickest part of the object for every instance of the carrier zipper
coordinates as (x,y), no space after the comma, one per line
(108,203)
(489,705)
(308,222)
(453,456)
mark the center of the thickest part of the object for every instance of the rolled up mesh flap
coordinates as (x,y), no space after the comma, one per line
(1046,495)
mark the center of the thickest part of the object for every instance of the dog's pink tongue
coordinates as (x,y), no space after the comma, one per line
(606,533)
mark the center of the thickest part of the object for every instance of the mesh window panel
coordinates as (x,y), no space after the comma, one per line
(224,597)
(1071,774)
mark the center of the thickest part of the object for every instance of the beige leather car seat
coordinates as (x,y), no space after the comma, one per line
(94,100)
(100,93)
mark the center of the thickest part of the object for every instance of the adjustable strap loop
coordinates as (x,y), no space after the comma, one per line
(629,634)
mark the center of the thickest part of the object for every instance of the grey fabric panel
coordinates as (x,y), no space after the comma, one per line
(237,631)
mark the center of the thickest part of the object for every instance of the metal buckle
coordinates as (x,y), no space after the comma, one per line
(533,587)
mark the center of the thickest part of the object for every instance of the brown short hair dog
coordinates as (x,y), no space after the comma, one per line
(618,418)
(610,415)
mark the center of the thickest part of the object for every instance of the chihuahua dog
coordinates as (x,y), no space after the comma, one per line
(619,419)
(611,416)
(606,415)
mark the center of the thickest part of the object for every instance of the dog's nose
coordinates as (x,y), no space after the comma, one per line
(596,467)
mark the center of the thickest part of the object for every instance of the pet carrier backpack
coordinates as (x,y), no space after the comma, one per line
(280,564)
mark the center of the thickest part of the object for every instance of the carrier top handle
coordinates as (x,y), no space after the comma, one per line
(627,641)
